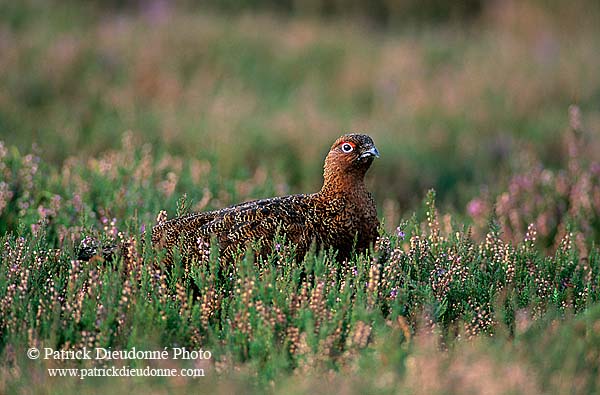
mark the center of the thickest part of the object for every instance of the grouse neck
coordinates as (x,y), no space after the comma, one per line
(343,184)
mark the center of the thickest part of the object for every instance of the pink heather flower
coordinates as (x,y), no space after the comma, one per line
(77,202)
(400,233)
(5,195)
(43,211)
(476,207)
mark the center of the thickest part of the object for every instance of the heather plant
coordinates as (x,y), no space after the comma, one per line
(554,202)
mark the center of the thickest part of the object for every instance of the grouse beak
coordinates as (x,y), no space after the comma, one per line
(370,153)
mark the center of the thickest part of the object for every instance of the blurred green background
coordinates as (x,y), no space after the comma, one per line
(110,111)
(452,92)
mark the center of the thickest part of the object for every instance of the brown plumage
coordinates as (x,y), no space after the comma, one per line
(342,215)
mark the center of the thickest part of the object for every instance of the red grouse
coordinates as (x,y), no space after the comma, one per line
(341,216)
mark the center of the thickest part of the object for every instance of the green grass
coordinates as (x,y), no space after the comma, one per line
(108,117)
(423,288)
(252,91)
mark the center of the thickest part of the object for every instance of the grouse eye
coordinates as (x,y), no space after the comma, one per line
(347,147)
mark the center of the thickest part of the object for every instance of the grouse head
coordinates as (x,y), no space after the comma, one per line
(349,159)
